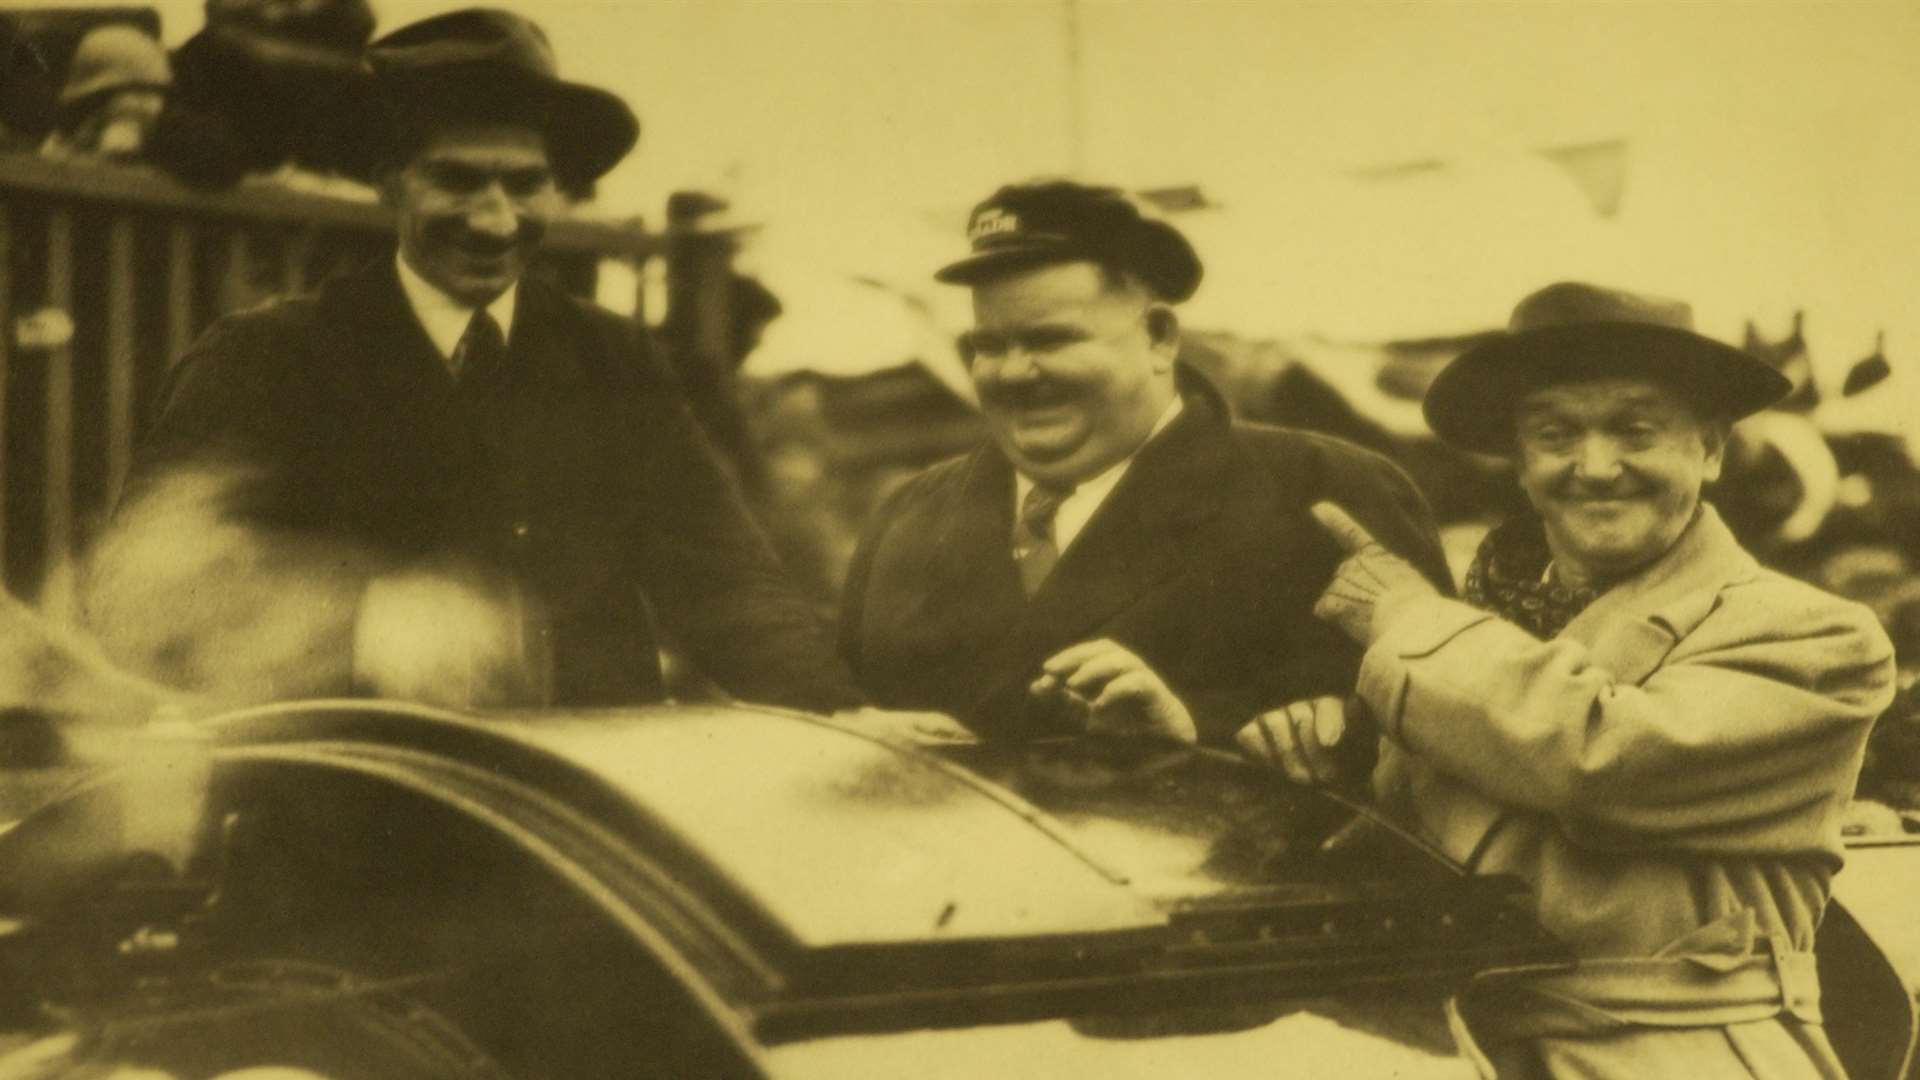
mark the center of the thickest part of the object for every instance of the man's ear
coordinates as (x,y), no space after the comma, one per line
(1163,330)
(388,184)
(1714,437)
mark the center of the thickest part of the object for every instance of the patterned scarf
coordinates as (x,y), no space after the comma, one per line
(1509,578)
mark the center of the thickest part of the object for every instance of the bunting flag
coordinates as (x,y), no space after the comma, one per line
(1869,372)
(1789,357)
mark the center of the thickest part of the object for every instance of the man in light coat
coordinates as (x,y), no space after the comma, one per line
(1628,711)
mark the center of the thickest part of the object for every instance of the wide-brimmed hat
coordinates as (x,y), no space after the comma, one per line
(1032,224)
(484,54)
(1573,332)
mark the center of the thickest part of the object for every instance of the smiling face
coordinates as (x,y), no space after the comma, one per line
(473,205)
(1072,367)
(1614,467)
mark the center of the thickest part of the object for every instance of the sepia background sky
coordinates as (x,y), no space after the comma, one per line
(1377,170)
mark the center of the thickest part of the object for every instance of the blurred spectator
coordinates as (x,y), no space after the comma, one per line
(708,365)
(1892,771)
(1780,486)
(27,90)
(271,85)
(1870,371)
(115,88)
(1881,490)
(1789,357)
(44,76)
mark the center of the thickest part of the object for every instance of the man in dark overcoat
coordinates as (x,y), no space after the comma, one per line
(1120,556)
(440,478)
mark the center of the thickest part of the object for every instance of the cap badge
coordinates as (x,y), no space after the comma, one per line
(992,222)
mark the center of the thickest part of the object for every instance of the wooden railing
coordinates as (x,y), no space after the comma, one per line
(108,272)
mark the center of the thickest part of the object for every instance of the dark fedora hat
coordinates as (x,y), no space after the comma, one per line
(1573,332)
(493,56)
(1032,224)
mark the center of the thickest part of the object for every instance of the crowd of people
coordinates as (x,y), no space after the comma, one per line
(266,88)
(441,480)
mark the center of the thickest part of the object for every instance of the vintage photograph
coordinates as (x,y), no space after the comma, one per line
(959,539)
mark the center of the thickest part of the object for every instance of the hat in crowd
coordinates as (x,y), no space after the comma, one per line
(1573,332)
(341,26)
(484,54)
(1032,224)
(115,57)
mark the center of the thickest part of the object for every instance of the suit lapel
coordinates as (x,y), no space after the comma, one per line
(384,353)
(542,354)
(970,562)
(1133,542)
(1632,627)
(1135,538)
(389,375)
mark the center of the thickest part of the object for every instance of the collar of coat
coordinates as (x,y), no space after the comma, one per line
(366,314)
(1633,625)
(1132,543)
(1170,485)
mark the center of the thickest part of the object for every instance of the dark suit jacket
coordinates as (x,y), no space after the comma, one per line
(587,482)
(1203,561)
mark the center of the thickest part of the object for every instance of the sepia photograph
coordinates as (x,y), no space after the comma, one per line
(855,539)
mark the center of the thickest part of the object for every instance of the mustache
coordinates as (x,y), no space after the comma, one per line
(1029,393)
(456,234)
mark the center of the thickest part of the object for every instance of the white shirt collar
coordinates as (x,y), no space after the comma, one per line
(1078,508)
(444,318)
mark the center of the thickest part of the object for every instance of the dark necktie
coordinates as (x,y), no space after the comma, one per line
(1034,550)
(480,360)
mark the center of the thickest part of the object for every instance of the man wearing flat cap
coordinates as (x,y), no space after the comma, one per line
(1120,556)
(440,478)
(1627,711)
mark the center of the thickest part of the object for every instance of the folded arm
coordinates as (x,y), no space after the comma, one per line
(1749,732)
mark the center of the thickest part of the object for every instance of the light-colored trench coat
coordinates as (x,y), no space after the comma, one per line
(1669,774)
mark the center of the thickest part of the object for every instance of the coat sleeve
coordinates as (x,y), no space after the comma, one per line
(1744,734)
(709,572)
(853,595)
(197,579)
(1381,497)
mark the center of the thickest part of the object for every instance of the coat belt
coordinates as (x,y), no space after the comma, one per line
(1597,997)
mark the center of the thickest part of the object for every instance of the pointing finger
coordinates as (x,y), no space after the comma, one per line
(1351,535)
